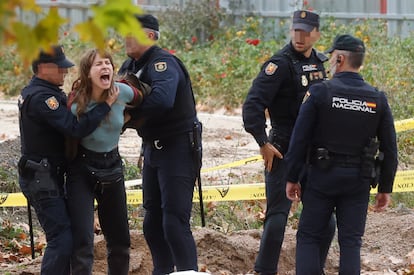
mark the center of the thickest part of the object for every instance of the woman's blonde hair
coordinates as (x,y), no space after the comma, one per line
(82,86)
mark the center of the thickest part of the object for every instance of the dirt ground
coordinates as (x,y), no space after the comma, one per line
(388,245)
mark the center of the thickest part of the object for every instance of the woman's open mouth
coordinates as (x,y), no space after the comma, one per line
(106,79)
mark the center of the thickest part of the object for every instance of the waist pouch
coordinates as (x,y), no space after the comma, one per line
(106,176)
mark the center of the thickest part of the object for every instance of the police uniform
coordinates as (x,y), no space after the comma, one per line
(169,170)
(44,121)
(280,88)
(339,118)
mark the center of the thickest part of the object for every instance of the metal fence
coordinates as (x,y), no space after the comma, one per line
(398,13)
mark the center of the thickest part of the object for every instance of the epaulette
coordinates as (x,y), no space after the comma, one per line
(321,56)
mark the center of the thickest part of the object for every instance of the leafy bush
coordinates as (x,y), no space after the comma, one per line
(13,74)
(224,59)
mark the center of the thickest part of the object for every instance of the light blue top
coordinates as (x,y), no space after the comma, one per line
(105,138)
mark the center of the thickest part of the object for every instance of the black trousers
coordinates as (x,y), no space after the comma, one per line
(168,185)
(82,189)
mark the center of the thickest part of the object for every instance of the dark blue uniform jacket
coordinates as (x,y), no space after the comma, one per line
(170,108)
(280,88)
(343,118)
(45,120)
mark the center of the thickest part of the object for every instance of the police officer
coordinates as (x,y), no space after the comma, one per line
(343,121)
(169,170)
(279,88)
(44,121)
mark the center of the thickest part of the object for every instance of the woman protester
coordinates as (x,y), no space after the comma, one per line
(96,172)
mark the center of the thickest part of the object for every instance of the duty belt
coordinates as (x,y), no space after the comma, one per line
(160,143)
(345,160)
(323,158)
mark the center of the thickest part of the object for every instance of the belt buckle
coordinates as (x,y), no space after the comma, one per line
(156,145)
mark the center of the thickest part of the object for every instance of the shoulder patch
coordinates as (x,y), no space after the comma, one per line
(160,66)
(270,68)
(52,103)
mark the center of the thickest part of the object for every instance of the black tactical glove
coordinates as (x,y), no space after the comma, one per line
(142,88)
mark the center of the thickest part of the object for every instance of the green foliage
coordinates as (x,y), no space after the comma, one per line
(135,216)
(118,15)
(227,217)
(7,231)
(8,180)
(222,63)
(406,148)
(196,23)
(402,200)
(222,72)
(131,171)
(13,75)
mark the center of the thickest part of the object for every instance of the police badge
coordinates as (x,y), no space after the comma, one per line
(160,66)
(304,81)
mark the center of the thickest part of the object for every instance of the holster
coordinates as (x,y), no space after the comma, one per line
(378,163)
(371,162)
(40,176)
(321,158)
(279,140)
(196,143)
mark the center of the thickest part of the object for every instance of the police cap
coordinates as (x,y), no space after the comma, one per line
(305,20)
(348,43)
(148,21)
(54,55)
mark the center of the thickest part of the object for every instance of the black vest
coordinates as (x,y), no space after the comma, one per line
(304,72)
(349,116)
(38,138)
(181,117)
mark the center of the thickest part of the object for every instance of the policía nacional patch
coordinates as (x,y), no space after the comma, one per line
(270,68)
(52,103)
(160,66)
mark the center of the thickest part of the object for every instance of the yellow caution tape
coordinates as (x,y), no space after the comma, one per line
(235,192)
(233,164)
(12,199)
(404,182)
(404,125)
